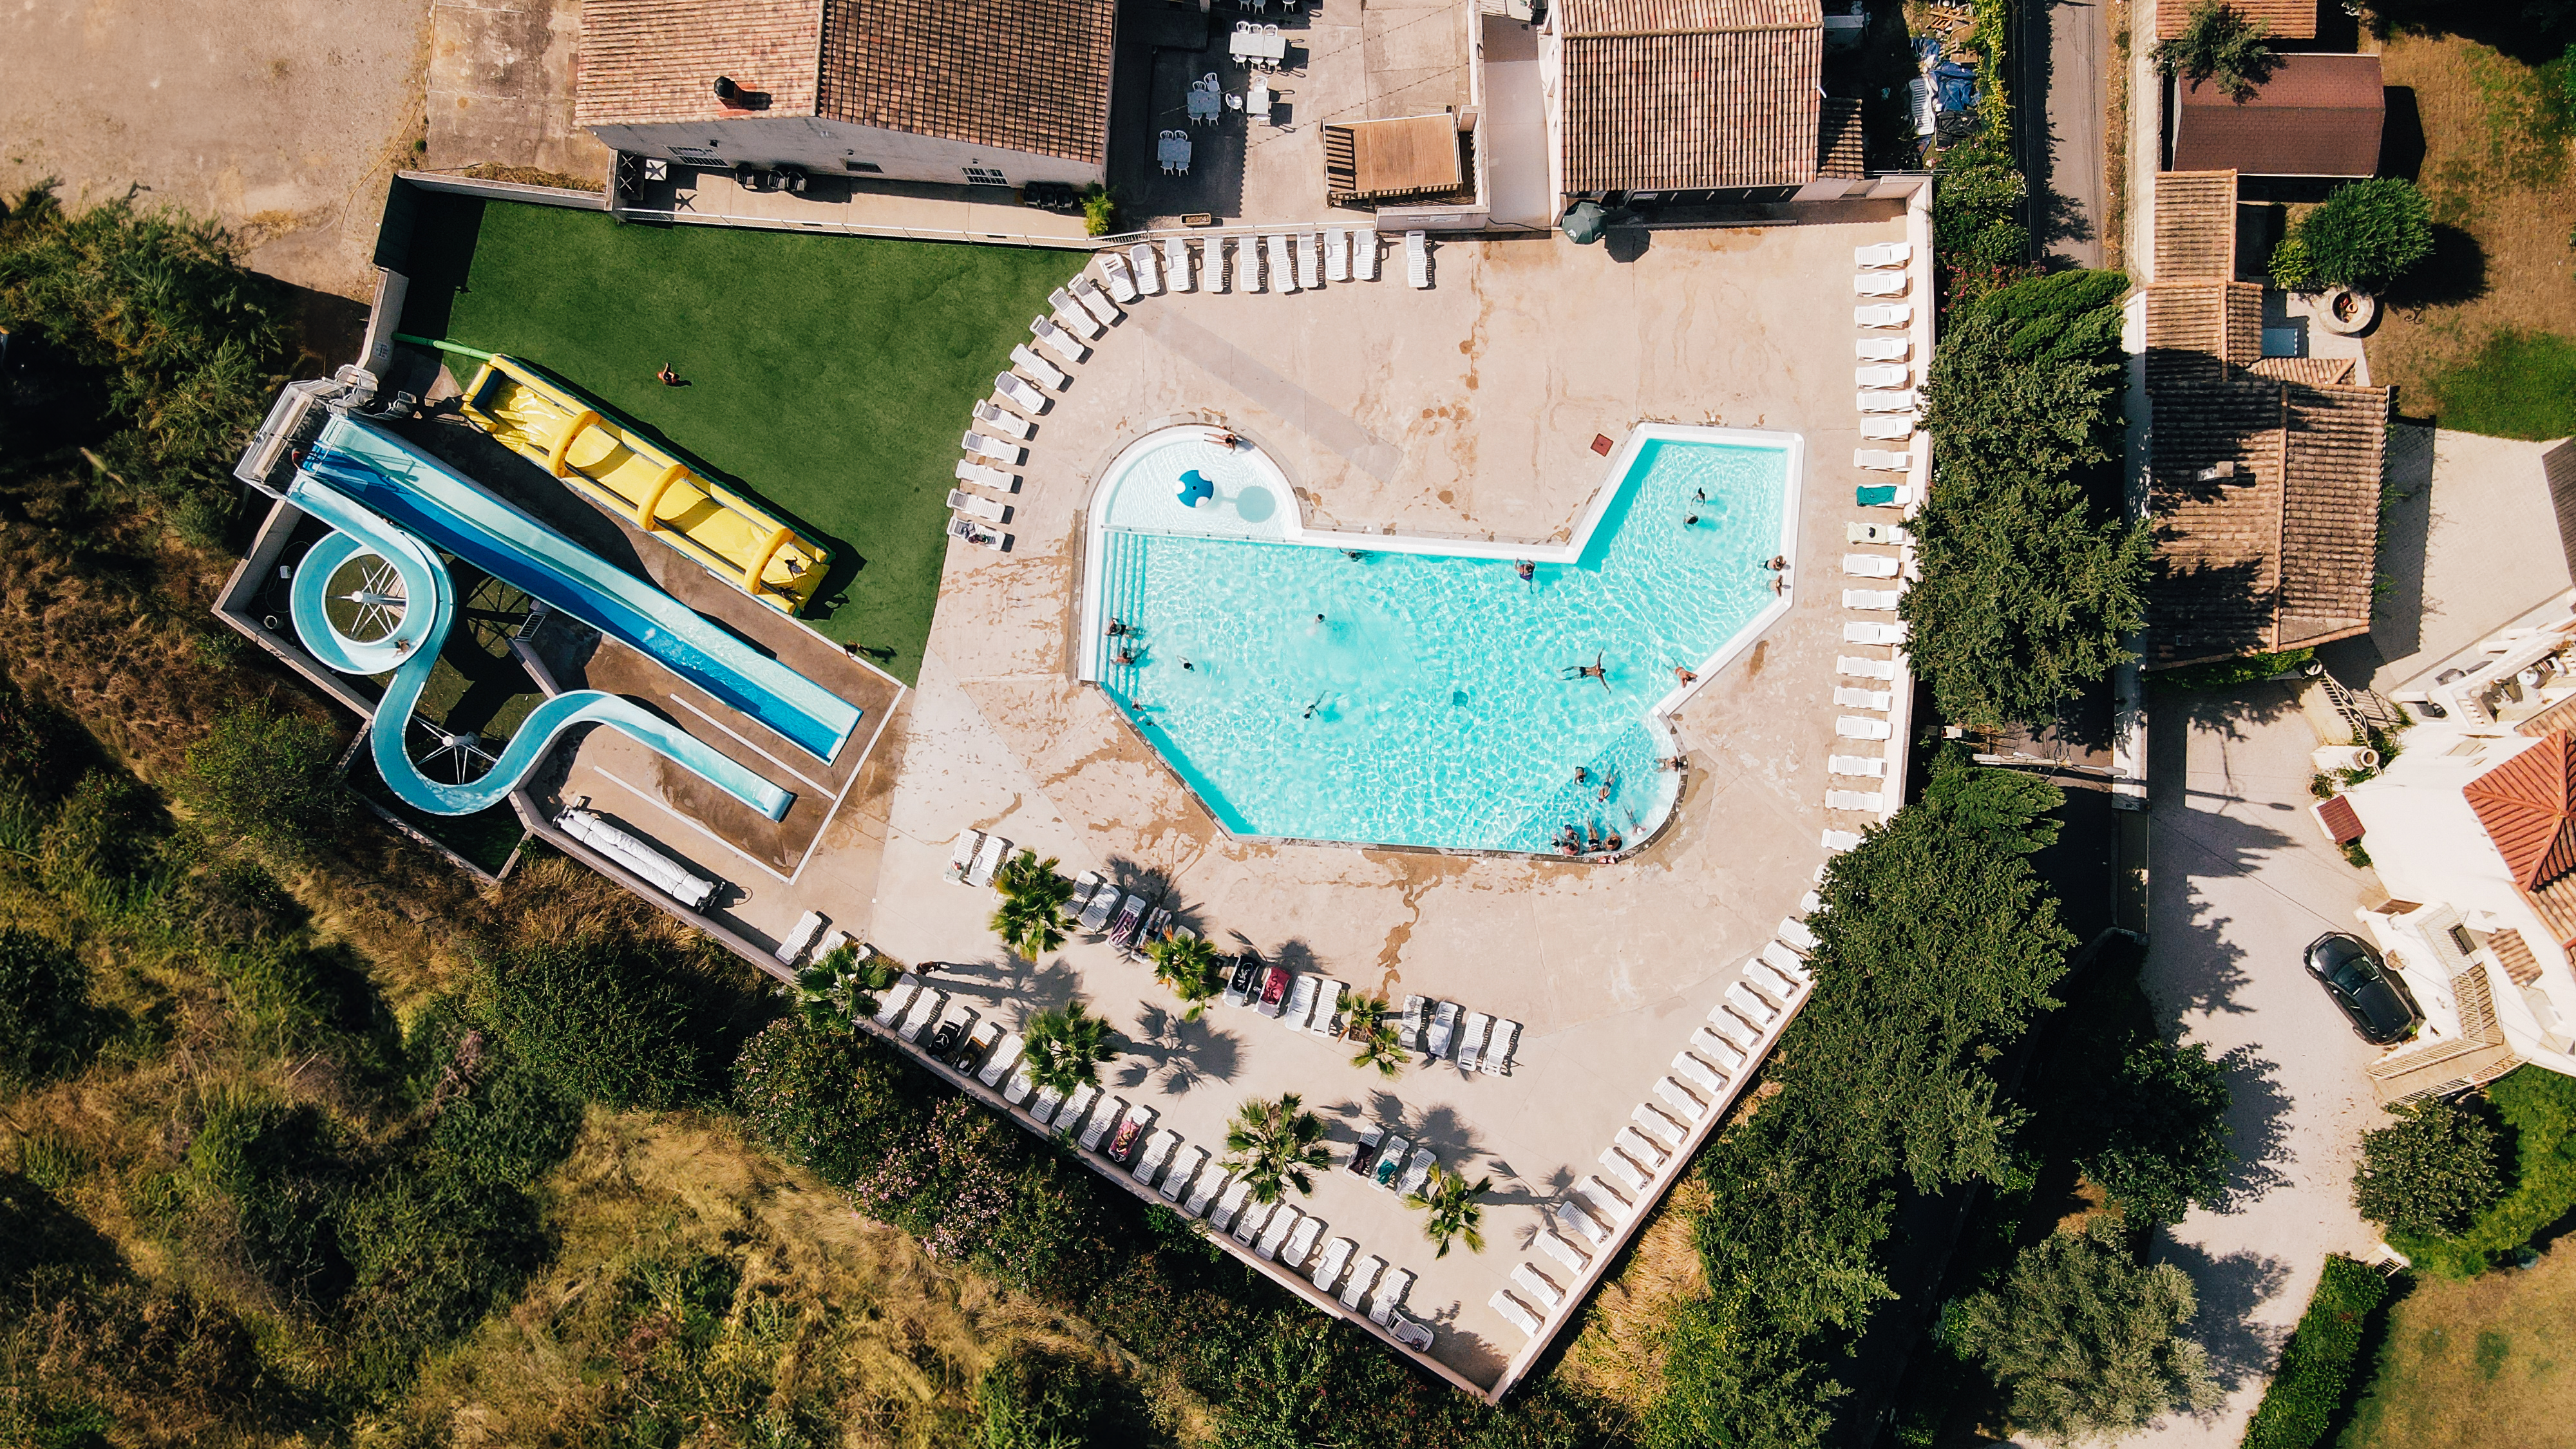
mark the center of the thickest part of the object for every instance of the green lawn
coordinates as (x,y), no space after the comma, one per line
(2489,1362)
(830,376)
(2521,385)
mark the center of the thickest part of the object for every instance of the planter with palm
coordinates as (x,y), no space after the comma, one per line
(1455,1213)
(1274,1146)
(1186,964)
(1066,1046)
(838,990)
(1032,918)
(1373,1028)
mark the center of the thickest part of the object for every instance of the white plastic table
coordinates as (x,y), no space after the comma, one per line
(1257,45)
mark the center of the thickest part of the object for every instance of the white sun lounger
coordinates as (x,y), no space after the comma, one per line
(1121,278)
(1867,801)
(1863,668)
(1020,1086)
(1083,887)
(1854,727)
(1096,915)
(1889,429)
(1328,1006)
(1390,1295)
(1020,393)
(1444,1023)
(1869,565)
(1603,1201)
(1857,632)
(1037,369)
(1337,254)
(1895,401)
(1882,459)
(997,449)
(1471,1044)
(1212,272)
(1069,1115)
(1310,270)
(1682,1098)
(1900,495)
(1659,1123)
(1364,254)
(1891,535)
(1283,275)
(1716,1049)
(1846,697)
(1639,1149)
(1301,1003)
(1249,1219)
(1726,1024)
(1542,1289)
(1869,598)
(925,1010)
(1103,1117)
(1056,340)
(1185,1166)
(1408,1034)
(975,507)
(1176,262)
(993,418)
(1417,1170)
(1574,1258)
(1274,1233)
(1756,1010)
(1042,1108)
(961,855)
(1131,919)
(1363,1278)
(1301,1241)
(1882,349)
(1783,960)
(1771,981)
(1699,1073)
(988,860)
(1096,302)
(1229,1203)
(1879,284)
(1247,262)
(1797,934)
(1882,374)
(1499,1048)
(1514,1312)
(1629,1174)
(898,996)
(1072,314)
(1158,1151)
(1211,1182)
(1337,1256)
(967,530)
(1149,272)
(1417,260)
(1885,254)
(1884,314)
(1390,1161)
(1577,1223)
(1006,1055)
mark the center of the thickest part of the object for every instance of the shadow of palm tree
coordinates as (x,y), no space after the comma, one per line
(1183,1054)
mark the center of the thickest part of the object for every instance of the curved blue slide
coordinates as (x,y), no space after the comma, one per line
(346,487)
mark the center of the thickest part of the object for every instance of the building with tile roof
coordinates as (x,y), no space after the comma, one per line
(2317,116)
(962,92)
(2280,19)
(2264,473)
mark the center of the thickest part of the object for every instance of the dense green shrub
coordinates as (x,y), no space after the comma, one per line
(2366,235)
(602,1019)
(44,1003)
(1038,1400)
(2226,674)
(2538,1107)
(2431,1172)
(2085,1341)
(1978,231)
(2159,1132)
(2316,1363)
(103,833)
(268,779)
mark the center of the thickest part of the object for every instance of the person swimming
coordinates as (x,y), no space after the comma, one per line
(1684,675)
(1125,656)
(1117,627)
(1526,570)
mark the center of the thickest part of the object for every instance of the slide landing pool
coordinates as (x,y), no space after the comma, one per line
(386,499)
(1424,693)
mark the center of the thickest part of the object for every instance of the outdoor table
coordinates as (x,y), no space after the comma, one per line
(1257,45)
(1206,104)
(1173,151)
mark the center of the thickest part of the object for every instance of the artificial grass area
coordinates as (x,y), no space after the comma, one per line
(829,376)
(2520,385)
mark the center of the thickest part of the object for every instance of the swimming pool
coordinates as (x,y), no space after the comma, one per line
(1423,693)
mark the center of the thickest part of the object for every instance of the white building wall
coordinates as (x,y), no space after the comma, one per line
(830,148)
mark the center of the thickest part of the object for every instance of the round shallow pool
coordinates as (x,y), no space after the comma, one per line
(1425,692)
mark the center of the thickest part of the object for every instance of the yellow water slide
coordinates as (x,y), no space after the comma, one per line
(732,536)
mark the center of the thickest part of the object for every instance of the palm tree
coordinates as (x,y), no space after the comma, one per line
(1187,964)
(1381,1045)
(1066,1046)
(836,991)
(1455,1213)
(1275,1146)
(1031,919)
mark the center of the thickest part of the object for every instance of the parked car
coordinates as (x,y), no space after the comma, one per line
(2371,996)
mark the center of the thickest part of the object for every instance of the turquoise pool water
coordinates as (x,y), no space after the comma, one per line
(1429,705)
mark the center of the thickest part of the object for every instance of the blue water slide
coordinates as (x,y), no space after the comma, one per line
(445,509)
(410,652)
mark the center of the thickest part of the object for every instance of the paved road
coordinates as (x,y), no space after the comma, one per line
(2242,880)
(2065,57)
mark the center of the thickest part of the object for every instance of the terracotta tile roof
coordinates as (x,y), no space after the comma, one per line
(2514,955)
(1026,75)
(2196,226)
(2559,716)
(2333,447)
(1022,75)
(2285,19)
(1680,95)
(2528,806)
(2314,371)
(650,61)
(2340,820)
(2202,331)
(2319,115)
(1840,151)
(2555,904)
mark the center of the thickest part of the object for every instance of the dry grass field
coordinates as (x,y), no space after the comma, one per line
(2467,1365)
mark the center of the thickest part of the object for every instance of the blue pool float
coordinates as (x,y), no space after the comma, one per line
(1195,489)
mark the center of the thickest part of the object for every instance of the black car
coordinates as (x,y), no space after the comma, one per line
(2373,997)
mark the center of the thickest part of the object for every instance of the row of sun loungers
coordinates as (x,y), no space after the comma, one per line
(975,856)
(1480,1043)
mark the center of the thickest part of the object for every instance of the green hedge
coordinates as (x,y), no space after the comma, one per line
(2318,1360)
(2539,1106)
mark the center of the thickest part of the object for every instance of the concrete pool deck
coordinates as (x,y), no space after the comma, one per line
(1466,410)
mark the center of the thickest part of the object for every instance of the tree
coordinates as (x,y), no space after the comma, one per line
(1066,1045)
(2028,587)
(835,992)
(268,779)
(2364,236)
(2432,1171)
(44,1000)
(1031,919)
(2084,1341)
(2160,1132)
(1381,1045)
(1186,964)
(2219,43)
(1455,1214)
(1275,1145)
